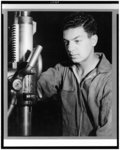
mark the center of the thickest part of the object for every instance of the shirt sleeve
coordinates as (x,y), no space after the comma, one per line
(49,81)
(105,111)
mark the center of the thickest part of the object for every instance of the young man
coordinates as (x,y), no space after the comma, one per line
(85,86)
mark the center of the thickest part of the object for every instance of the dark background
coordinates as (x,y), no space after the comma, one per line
(46,120)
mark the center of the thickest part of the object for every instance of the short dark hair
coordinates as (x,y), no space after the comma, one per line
(83,19)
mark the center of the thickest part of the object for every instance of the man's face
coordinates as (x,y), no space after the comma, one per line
(78,44)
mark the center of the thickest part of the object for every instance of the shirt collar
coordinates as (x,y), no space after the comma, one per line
(103,66)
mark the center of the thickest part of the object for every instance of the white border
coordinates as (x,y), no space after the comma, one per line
(60,6)
(60,142)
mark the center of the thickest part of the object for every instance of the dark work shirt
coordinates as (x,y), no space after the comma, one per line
(86,104)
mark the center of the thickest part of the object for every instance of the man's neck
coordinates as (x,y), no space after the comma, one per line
(87,65)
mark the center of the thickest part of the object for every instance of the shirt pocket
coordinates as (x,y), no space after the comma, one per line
(68,85)
(68,99)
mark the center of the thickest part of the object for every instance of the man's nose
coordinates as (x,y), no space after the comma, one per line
(71,46)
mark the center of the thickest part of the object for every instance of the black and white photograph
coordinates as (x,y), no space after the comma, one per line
(60,74)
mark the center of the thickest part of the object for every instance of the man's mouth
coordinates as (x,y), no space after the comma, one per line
(73,55)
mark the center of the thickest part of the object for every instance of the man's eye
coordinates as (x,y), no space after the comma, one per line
(77,41)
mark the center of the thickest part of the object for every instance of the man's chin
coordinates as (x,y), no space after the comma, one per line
(77,61)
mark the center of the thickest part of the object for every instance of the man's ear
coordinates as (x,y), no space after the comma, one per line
(94,39)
